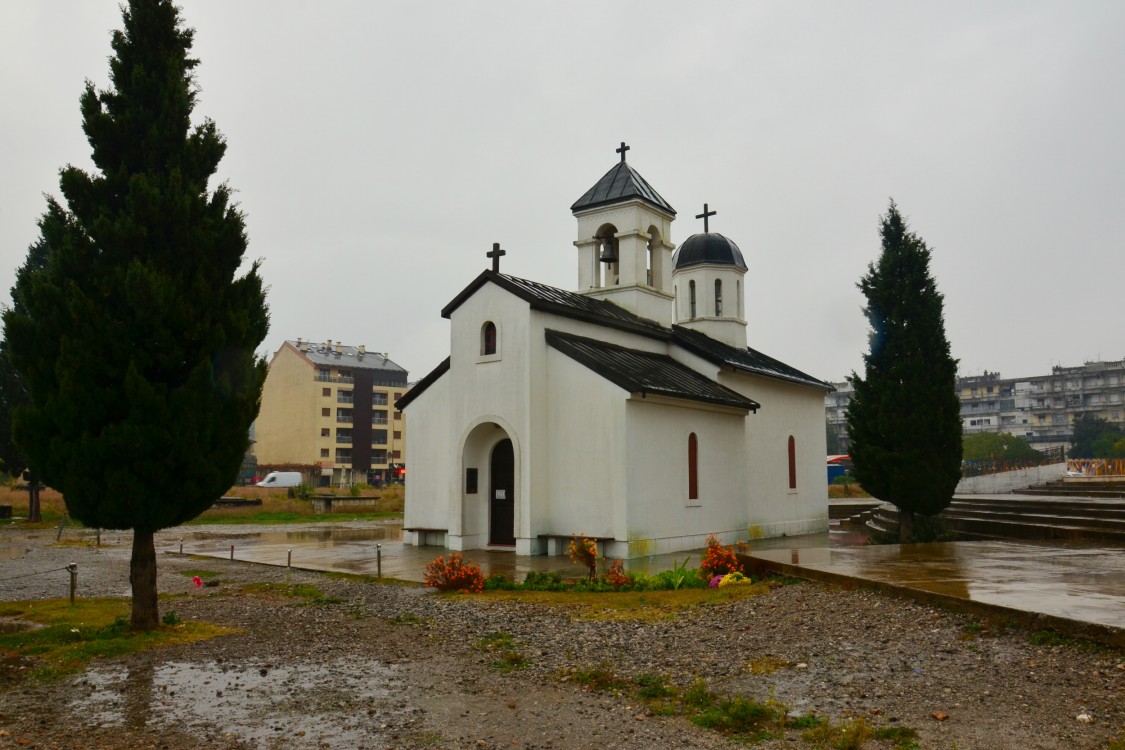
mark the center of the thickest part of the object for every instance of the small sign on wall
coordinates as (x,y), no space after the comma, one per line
(501,494)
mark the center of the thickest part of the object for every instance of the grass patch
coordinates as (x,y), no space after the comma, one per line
(70,637)
(1050,638)
(504,646)
(903,738)
(407,618)
(648,606)
(1117,744)
(765,665)
(601,677)
(311,595)
(849,734)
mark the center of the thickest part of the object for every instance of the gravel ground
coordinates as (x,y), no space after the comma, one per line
(391,666)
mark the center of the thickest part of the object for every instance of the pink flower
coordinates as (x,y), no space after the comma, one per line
(197,581)
(714,584)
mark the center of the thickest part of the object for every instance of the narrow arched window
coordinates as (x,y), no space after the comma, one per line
(718,298)
(792,463)
(691,299)
(738,296)
(488,338)
(693,467)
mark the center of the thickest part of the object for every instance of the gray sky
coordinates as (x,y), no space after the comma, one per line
(379,149)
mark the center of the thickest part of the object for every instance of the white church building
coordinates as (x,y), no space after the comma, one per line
(630,410)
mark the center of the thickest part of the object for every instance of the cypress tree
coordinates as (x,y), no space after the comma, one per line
(134,333)
(904,420)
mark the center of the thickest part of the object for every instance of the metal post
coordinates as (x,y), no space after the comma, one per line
(232,552)
(98,537)
(289,560)
(73,568)
(181,545)
(62,523)
(379,560)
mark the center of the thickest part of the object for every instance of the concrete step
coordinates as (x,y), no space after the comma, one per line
(1015,519)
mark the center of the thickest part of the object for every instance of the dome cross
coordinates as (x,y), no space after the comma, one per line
(705,215)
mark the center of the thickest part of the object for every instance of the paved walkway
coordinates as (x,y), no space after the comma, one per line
(1071,587)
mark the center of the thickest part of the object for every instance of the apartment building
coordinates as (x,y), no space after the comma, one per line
(1041,408)
(328,411)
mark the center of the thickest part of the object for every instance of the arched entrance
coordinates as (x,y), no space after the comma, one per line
(502,495)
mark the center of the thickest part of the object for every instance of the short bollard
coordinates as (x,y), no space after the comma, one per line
(181,545)
(98,537)
(379,560)
(232,552)
(73,568)
(289,559)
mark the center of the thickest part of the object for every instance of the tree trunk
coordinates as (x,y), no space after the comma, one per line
(34,514)
(905,526)
(142,577)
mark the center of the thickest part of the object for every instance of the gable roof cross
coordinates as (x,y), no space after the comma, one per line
(495,254)
(622,151)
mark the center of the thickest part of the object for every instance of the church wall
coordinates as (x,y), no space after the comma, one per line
(489,389)
(787,409)
(430,489)
(661,516)
(584,456)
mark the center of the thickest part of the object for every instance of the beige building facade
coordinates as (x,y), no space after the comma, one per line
(328,411)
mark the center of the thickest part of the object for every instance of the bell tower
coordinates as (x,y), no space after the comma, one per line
(624,246)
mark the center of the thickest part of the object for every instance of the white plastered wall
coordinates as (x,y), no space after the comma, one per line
(662,518)
(787,409)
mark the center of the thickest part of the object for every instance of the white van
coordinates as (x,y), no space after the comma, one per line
(281,479)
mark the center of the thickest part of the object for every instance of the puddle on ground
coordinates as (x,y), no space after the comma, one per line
(15,553)
(11,625)
(261,704)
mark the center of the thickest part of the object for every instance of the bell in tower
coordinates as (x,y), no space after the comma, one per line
(623,228)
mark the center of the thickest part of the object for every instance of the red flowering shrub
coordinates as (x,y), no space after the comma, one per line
(718,560)
(454,574)
(584,551)
(617,577)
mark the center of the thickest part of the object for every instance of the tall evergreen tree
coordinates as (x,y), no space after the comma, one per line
(135,336)
(904,420)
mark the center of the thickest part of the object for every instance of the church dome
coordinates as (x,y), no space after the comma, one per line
(708,247)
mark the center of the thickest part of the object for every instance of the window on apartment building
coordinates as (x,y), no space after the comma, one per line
(379,416)
(343,455)
(398,435)
(325,432)
(488,338)
(345,397)
(326,412)
(325,391)
(379,399)
(324,453)
(397,395)
(378,437)
(398,455)
(398,415)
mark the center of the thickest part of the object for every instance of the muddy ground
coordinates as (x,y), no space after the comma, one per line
(386,666)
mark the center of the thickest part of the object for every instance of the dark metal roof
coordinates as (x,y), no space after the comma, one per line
(620,184)
(561,302)
(643,372)
(340,356)
(708,247)
(747,359)
(423,384)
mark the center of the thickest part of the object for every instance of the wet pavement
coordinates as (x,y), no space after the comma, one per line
(1081,583)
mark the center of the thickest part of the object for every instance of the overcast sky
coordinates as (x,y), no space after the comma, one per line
(379,149)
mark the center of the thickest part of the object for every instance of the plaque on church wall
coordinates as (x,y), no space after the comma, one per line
(501,494)
(470,481)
